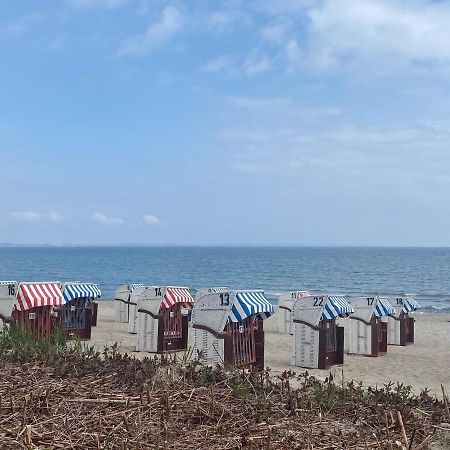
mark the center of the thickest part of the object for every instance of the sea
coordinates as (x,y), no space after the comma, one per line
(349,271)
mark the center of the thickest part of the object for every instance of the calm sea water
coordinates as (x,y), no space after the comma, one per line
(349,271)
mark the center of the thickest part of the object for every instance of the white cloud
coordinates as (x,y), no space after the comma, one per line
(255,63)
(22,25)
(274,33)
(106,220)
(157,33)
(32,216)
(293,54)
(379,31)
(151,220)
(108,4)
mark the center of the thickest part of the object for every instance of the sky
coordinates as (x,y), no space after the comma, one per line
(293,122)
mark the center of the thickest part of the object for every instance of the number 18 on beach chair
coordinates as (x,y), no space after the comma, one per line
(228,327)
(318,341)
(163,319)
(400,326)
(368,334)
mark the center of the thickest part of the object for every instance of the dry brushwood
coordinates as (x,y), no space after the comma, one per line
(87,400)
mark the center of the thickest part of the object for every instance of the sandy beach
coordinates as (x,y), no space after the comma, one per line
(426,363)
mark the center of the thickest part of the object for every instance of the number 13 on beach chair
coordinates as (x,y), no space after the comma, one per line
(228,327)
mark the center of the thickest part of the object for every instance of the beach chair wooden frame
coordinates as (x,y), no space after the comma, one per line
(368,333)
(43,320)
(122,301)
(318,341)
(228,327)
(400,325)
(285,306)
(163,318)
(78,315)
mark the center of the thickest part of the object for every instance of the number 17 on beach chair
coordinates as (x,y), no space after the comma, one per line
(368,334)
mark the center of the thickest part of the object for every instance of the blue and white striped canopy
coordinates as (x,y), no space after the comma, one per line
(248,304)
(410,305)
(81,290)
(383,308)
(336,307)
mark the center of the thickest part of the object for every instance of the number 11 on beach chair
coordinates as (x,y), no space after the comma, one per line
(368,334)
(122,300)
(318,341)
(285,306)
(228,327)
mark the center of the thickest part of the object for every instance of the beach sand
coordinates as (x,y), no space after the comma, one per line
(426,363)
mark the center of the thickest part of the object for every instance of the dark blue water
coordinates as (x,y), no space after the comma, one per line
(349,271)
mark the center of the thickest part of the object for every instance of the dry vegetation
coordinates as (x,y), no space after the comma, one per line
(78,399)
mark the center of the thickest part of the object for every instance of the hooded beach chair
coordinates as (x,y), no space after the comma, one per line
(400,326)
(122,300)
(285,306)
(7,301)
(79,309)
(36,308)
(318,341)
(228,327)
(368,334)
(163,319)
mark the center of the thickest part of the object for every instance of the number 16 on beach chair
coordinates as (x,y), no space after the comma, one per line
(318,341)
(163,319)
(400,326)
(368,334)
(228,327)
(7,301)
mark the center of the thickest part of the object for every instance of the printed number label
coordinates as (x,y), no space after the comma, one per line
(318,301)
(370,301)
(224,299)
(32,316)
(72,308)
(399,301)
(11,289)
(158,292)
(241,329)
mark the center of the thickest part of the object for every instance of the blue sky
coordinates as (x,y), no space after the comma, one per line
(308,122)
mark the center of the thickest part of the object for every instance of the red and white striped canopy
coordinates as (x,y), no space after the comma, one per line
(32,295)
(176,295)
